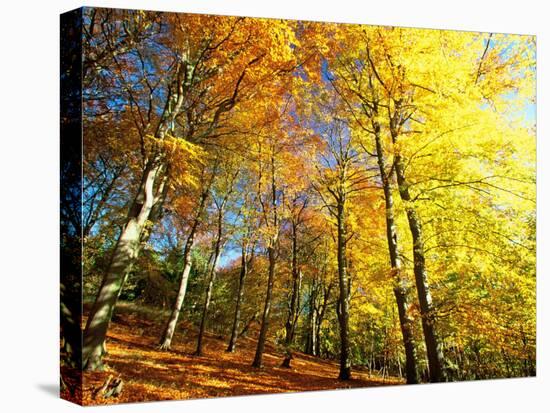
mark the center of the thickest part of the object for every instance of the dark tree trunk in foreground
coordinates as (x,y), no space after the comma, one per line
(240,294)
(400,289)
(170,328)
(343,299)
(433,345)
(124,256)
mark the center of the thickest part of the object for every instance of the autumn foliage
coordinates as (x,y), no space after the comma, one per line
(274,205)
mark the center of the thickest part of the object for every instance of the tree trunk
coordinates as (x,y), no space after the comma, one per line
(206,306)
(271,253)
(311,319)
(343,300)
(128,245)
(314,323)
(267,308)
(169,330)
(433,345)
(311,339)
(320,317)
(168,333)
(245,329)
(210,286)
(240,294)
(400,289)
(124,255)
(71,333)
(292,318)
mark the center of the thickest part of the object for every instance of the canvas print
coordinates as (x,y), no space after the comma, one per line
(257,205)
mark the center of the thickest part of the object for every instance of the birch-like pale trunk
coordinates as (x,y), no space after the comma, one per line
(314,325)
(129,243)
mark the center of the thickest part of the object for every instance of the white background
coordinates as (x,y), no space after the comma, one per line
(29,193)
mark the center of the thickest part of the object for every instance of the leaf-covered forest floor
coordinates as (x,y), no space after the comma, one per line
(149,374)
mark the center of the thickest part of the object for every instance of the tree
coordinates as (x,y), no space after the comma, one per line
(297,207)
(220,198)
(177,84)
(339,179)
(357,85)
(207,178)
(269,202)
(256,173)
(416,103)
(247,244)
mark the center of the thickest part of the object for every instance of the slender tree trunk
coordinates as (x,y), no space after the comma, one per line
(343,301)
(170,328)
(311,318)
(206,306)
(210,286)
(218,245)
(267,308)
(292,318)
(240,294)
(245,329)
(271,253)
(405,321)
(320,317)
(124,255)
(400,289)
(433,345)
(313,344)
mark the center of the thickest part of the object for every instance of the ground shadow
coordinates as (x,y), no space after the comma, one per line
(50,389)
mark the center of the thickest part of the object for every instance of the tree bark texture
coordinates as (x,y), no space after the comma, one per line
(400,289)
(433,344)
(240,293)
(169,330)
(343,300)
(124,255)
